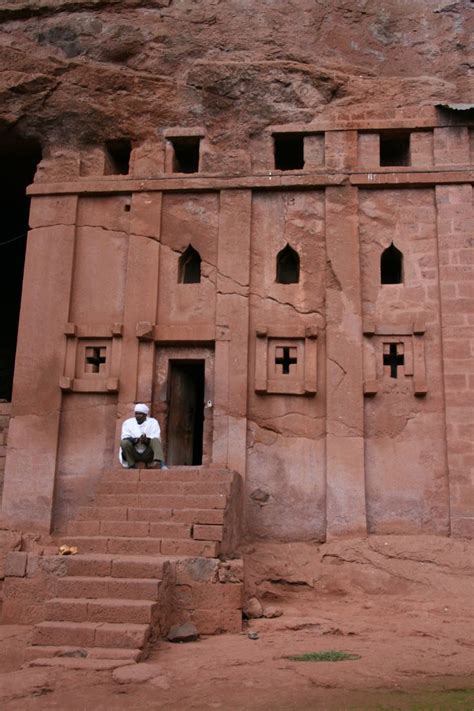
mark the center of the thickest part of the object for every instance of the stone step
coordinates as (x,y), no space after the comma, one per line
(205,549)
(169,488)
(103,610)
(75,652)
(132,529)
(172,474)
(114,544)
(91,634)
(115,566)
(124,513)
(102,513)
(153,501)
(208,532)
(108,587)
(129,545)
(79,664)
(203,516)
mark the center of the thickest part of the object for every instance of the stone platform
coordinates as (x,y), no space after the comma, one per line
(148,548)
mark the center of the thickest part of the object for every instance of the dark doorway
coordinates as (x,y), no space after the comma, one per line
(185,412)
(18,161)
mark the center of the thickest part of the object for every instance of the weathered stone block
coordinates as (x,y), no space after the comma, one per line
(15,564)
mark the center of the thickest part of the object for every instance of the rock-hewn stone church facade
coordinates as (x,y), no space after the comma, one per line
(301,317)
(257,219)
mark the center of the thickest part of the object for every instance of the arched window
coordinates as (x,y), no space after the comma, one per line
(189,270)
(288,266)
(391,266)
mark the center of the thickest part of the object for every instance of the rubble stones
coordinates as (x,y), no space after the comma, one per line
(253,609)
(271,611)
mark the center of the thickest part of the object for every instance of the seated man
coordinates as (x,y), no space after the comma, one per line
(140,440)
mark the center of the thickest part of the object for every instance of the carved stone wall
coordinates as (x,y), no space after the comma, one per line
(342,399)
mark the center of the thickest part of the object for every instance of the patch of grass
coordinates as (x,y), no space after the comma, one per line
(454,700)
(329,655)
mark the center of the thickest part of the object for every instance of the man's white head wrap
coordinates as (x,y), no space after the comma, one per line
(141,407)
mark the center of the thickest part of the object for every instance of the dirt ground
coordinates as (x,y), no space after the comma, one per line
(408,616)
(414,654)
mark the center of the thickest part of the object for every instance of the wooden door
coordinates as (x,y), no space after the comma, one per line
(185,412)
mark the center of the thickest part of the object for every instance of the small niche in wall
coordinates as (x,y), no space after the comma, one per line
(391,266)
(185,154)
(189,267)
(287,266)
(288,151)
(118,156)
(395,148)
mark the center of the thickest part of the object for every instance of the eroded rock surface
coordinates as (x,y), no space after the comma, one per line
(82,70)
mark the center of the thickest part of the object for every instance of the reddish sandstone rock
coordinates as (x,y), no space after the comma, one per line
(135,673)
(253,609)
(79,68)
(271,612)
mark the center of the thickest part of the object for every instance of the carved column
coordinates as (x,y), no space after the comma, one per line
(141,298)
(346,507)
(36,404)
(232,330)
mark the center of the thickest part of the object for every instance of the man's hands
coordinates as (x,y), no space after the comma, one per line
(142,440)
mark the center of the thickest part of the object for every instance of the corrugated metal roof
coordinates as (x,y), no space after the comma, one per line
(457,107)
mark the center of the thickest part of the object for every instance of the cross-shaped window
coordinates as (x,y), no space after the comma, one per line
(95,358)
(286,357)
(393,358)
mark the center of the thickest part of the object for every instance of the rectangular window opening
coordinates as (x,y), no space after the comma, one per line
(395,148)
(289,151)
(118,156)
(186,154)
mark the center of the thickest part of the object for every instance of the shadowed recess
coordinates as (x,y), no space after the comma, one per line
(189,268)
(18,160)
(391,266)
(288,266)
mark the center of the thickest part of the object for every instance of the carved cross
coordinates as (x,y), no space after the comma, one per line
(393,358)
(95,357)
(286,357)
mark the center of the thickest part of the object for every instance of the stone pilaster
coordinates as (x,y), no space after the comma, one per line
(232,326)
(36,404)
(456,272)
(141,298)
(346,505)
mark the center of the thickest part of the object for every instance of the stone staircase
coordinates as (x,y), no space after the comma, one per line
(115,597)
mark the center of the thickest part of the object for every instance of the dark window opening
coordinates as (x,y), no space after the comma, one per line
(95,358)
(394,149)
(391,266)
(185,412)
(18,161)
(189,268)
(286,356)
(393,358)
(288,266)
(186,154)
(289,151)
(118,155)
